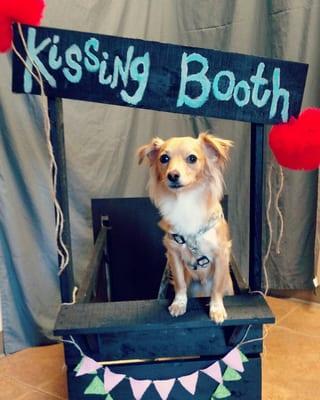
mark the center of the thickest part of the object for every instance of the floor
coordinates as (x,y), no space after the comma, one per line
(291,360)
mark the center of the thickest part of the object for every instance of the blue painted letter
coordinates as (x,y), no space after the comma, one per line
(199,77)
(75,77)
(258,81)
(34,52)
(246,90)
(55,61)
(141,77)
(277,92)
(218,94)
(91,61)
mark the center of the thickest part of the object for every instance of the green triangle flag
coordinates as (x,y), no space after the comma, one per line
(78,366)
(109,397)
(243,357)
(231,374)
(95,387)
(221,392)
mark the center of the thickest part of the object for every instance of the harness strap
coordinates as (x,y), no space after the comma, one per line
(201,260)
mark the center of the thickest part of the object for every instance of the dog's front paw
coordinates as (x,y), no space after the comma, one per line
(217,312)
(178,306)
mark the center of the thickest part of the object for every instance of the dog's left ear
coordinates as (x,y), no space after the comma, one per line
(150,150)
(217,150)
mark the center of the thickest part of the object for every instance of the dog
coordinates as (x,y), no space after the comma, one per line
(186,185)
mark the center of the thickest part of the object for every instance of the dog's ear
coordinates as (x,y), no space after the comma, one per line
(216,149)
(150,150)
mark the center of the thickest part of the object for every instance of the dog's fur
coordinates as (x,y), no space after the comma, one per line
(188,191)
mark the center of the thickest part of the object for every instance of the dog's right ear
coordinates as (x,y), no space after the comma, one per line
(150,150)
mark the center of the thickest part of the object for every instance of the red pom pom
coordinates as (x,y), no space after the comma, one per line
(296,144)
(5,34)
(23,11)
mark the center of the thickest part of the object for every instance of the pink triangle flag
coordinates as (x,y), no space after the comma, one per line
(87,366)
(189,382)
(214,371)
(233,360)
(164,387)
(111,379)
(139,387)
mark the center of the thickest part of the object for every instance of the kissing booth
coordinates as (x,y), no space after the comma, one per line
(119,340)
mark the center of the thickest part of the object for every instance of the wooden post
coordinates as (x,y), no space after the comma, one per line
(256,200)
(57,140)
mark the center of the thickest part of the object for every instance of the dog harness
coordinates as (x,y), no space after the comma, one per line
(192,242)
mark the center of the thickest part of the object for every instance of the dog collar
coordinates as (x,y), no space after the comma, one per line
(191,241)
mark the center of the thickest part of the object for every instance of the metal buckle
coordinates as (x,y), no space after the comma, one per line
(178,238)
(203,261)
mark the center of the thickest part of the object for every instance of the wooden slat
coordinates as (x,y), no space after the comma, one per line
(55,112)
(89,280)
(153,315)
(239,283)
(256,204)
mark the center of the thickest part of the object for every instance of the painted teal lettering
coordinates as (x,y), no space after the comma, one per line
(245,88)
(218,94)
(34,51)
(103,79)
(200,77)
(140,76)
(121,70)
(73,57)
(91,61)
(259,81)
(278,92)
(55,61)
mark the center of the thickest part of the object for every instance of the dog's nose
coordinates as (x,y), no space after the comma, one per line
(173,176)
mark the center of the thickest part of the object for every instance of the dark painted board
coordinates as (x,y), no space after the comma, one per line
(135,251)
(89,281)
(150,345)
(256,206)
(248,388)
(135,246)
(160,76)
(55,112)
(153,315)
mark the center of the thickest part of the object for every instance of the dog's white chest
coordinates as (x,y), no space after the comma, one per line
(185,213)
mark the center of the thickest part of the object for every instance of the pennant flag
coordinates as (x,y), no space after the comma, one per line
(231,374)
(111,379)
(233,360)
(95,387)
(139,387)
(214,371)
(79,365)
(164,387)
(87,366)
(109,397)
(189,382)
(221,392)
(243,357)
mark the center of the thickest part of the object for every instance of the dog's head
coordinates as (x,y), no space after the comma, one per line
(181,163)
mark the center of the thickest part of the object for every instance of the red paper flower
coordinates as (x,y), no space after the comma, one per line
(23,11)
(296,144)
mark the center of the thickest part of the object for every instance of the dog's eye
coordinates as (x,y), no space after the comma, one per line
(191,159)
(164,159)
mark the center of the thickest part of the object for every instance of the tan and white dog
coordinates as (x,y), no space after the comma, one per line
(186,185)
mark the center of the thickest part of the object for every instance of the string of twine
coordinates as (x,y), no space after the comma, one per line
(59,226)
(268,251)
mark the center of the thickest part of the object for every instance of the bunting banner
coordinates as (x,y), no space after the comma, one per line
(232,364)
